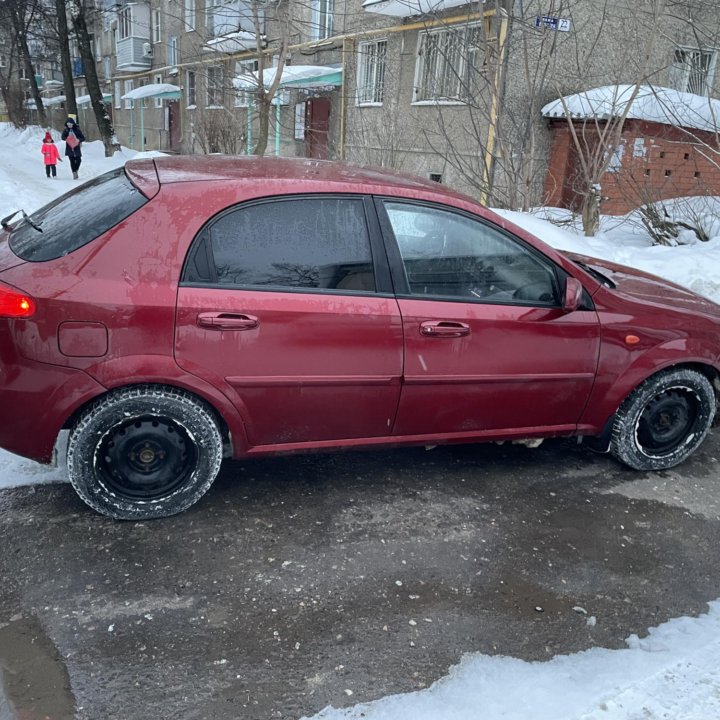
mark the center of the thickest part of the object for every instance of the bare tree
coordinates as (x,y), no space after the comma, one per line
(65,62)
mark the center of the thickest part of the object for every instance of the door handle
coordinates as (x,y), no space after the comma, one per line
(444,328)
(227,321)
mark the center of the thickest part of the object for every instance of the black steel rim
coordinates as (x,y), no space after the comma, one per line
(146,459)
(667,421)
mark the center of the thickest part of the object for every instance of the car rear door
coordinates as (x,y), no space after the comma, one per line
(286,304)
(488,347)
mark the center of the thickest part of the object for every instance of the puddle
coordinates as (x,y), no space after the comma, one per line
(34,683)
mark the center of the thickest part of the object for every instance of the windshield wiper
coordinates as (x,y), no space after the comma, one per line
(5,222)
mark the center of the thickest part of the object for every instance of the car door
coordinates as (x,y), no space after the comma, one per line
(286,304)
(488,346)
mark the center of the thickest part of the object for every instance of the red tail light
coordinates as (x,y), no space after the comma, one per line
(14,303)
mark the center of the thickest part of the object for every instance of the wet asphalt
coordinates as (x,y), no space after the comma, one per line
(304,581)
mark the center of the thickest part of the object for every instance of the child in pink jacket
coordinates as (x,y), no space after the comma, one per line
(50,155)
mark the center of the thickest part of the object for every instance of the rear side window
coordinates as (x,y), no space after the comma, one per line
(76,218)
(318,243)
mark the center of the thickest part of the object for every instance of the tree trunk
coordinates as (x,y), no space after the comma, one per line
(591,212)
(18,22)
(65,61)
(107,133)
(264,105)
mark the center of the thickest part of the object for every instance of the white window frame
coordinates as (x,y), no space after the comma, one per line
(245,98)
(216,83)
(322,13)
(371,64)
(189,15)
(191,88)
(443,64)
(124,26)
(172,58)
(681,70)
(158,78)
(118,94)
(156,26)
(129,85)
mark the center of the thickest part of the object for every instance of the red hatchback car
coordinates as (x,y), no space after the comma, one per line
(182,309)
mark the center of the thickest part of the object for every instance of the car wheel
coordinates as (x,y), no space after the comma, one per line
(144,452)
(664,420)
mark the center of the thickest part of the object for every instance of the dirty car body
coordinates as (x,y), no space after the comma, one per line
(221,306)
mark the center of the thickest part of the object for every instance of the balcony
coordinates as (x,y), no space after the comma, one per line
(134,54)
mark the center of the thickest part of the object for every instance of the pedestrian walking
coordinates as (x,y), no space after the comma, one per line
(73,137)
(51,155)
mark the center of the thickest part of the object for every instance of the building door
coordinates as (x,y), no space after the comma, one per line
(174,125)
(317,127)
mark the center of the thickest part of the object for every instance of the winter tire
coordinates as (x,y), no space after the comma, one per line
(664,420)
(144,452)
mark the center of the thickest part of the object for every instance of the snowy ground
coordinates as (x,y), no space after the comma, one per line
(672,674)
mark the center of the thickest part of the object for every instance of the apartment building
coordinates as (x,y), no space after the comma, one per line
(442,88)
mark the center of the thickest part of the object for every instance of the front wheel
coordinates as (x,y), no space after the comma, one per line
(664,420)
(144,452)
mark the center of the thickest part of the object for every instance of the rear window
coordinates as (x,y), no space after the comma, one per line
(76,218)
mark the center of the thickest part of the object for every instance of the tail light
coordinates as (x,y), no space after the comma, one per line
(15,303)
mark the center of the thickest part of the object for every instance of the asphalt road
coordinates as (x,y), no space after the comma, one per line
(304,581)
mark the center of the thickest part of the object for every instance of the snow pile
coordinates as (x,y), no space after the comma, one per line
(671,674)
(653,104)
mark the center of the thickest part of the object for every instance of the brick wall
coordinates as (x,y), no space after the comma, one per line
(654,162)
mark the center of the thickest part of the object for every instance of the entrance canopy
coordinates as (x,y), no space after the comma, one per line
(232,42)
(47,102)
(85,99)
(293,76)
(408,8)
(154,90)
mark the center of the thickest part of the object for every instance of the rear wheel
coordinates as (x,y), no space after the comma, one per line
(144,452)
(664,420)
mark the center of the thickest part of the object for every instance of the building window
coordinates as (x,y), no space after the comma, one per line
(244,70)
(371,72)
(190,89)
(158,79)
(321,19)
(118,94)
(215,86)
(450,63)
(124,22)
(107,67)
(189,14)
(172,51)
(693,70)
(436,177)
(128,87)
(156,26)
(3,60)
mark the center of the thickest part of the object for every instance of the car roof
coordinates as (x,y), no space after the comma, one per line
(252,169)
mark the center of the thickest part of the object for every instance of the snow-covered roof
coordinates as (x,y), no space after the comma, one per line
(153,90)
(299,76)
(85,99)
(232,42)
(47,102)
(654,104)
(408,8)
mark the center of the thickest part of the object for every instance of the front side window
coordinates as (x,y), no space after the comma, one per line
(449,64)
(189,12)
(124,23)
(173,50)
(371,72)
(693,70)
(56,229)
(449,255)
(300,243)
(321,20)
(129,85)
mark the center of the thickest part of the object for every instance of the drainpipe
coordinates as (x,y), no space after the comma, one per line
(348,46)
(277,125)
(489,161)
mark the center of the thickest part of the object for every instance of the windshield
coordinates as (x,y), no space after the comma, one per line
(76,218)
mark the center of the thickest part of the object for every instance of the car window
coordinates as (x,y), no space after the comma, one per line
(320,243)
(446,254)
(76,218)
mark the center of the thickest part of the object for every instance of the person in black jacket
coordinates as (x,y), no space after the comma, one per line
(73,137)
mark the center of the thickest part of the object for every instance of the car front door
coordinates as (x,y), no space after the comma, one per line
(286,304)
(488,346)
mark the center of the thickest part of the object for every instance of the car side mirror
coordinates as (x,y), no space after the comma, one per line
(573,294)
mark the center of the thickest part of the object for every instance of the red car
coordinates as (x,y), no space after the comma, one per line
(183,309)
